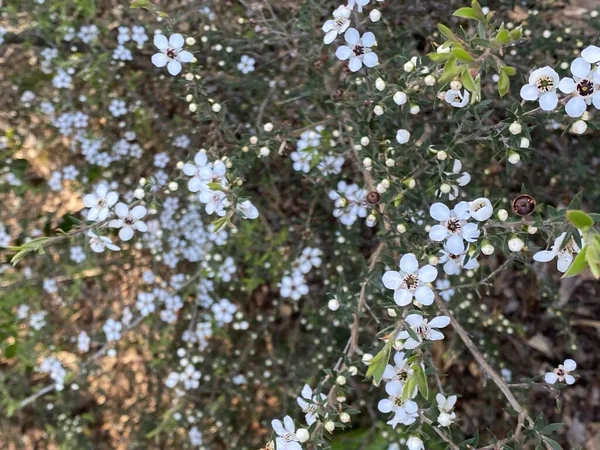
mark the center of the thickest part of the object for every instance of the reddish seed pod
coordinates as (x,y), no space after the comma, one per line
(373,198)
(523,205)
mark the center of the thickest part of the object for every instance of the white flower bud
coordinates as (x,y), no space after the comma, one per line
(330,426)
(392,312)
(190,41)
(455,85)
(415,109)
(444,419)
(400,98)
(367,358)
(173,186)
(189,98)
(515,244)
(378,110)
(579,127)
(375,15)
(341,380)
(353,370)
(415,443)
(367,162)
(380,188)
(487,249)
(364,141)
(434,260)
(139,193)
(385,183)
(502,215)
(253,140)
(345,417)
(333,304)
(441,155)
(409,66)
(515,128)
(193,107)
(430,80)
(532,230)
(410,183)
(402,136)
(445,188)
(302,435)
(390,162)
(380,84)
(401,228)
(268,127)
(264,151)
(524,143)
(513,157)
(216,107)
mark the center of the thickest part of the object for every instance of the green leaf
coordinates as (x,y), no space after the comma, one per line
(447,32)
(578,265)
(503,84)
(140,4)
(503,37)
(510,71)
(421,378)
(466,13)
(555,445)
(462,54)
(450,70)
(580,219)
(439,57)
(379,363)
(409,388)
(467,80)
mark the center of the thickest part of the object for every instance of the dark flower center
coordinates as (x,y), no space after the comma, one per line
(171,53)
(545,84)
(411,281)
(453,226)
(129,220)
(585,88)
(359,50)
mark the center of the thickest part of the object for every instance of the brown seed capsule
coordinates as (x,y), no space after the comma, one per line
(373,198)
(523,205)
(368,103)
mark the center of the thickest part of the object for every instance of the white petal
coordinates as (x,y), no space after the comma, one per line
(470,232)
(548,101)
(174,67)
(125,233)
(550,378)
(408,263)
(141,226)
(176,41)
(112,198)
(330,37)
(160,59)
(161,42)
(424,295)
(438,233)
(403,297)
(343,52)
(439,212)
(544,256)
(570,365)
(455,245)
(138,212)
(462,210)
(392,279)
(278,427)
(580,68)
(591,54)
(370,59)
(185,57)
(351,35)
(596,100)
(122,210)
(567,85)
(569,379)
(385,405)
(307,392)
(428,273)
(435,335)
(289,424)
(576,107)
(439,322)
(414,320)
(394,388)
(410,343)
(368,39)
(355,64)
(529,92)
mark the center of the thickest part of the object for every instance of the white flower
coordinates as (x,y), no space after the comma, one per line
(100,203)
(310,409)
(216,202)
(542,87)
(584,87)
(171,53)
(129,220)
(452,223)
(457,98)
(286,433)
(562,373)
(83,342)
(337,25)
(402,136)
(246,64)
(453,257)
(425,331)
(405,412)
(201,172)
(99,243)
(359,50)
(410,281)
(196,438)
(293,286)
(399,371)
(446,405)
(564,255)
(481,209)
(415,443)
(359,4)
(247,210)
(462,180)
(112,330)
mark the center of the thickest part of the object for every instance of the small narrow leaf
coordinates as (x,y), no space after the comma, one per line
(467,80)
(578,265)
(580,219)
(447,32)
(462,54)
(466,13)
(503,84)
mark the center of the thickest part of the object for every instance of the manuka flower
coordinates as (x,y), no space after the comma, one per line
(171,53)
(337,25)
(583,87)
(425,330)
(562,373)
(410,281)
(542,87)
(358,50)
(452,222)
(564,255)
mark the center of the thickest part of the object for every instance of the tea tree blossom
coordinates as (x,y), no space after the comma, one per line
(454,258)
(446,406)
(424,329)
(404,411)
(399,371)
(171,53)
(358,50)
(453,222)
(410,282)
(99,243)
(99,203)
(564,255)
(112,330)
(358,3)
(286,434)
(415,443)
(562,373)
(216,202)
(293,286)
(583,87)
(338,25)
(481,209)
(200,171)
(247,210)
(542,88)
(129,220)
(457,98)
(309,408)
(246,64)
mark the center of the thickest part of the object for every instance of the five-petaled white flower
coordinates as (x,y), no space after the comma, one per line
(454,255)
(410,281)
(247,210)
(424,329)
(309,408)
(583,87)
(171,53)
(542,87)
(452,222)
(457,98)
(562,373)
(337,25)
(446,406)
(129,220)
(99,243)
(216,201)
(201,172)
(359,50)
(405,412)
(286,433)
(564,256)
(481,209)
(99,203)
(358,3)
(399,371)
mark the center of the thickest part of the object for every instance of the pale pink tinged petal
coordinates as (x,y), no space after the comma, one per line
(385,406)
(569,379)
(435,335)
(455,245)
(439,212)
(462,210)
(141,226)
(529,92)
(439,322)
(125,233)
(90,200)
(368,39)
(174,67)
(343,52)
(93,214)
(138,212)
(414,320)
(278,427)
(122,210)
(548,101)
(391,279)
(438,233)
(408,263)
(330,37)
(428,273)
(596,100)
(117,223)
(306,392)
(176,41)
(544,256)
(355,64)
(591,54)
(550,378)
(567,85)
(112,198)
(161,42)
(289,424)
(160,59)
(410,343)
(370,59)
(403,297)
(185,57)
(570,365)
(576,107)
(351,35)
(580,68)
(424,295)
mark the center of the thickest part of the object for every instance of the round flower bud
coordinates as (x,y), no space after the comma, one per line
(364,140)
(330,426)
(579,127)
(445,188)
(173,186)
(402,136)
(532,230)
(455,85)
(189,98)
(390,162)
(268,127)
(353,370)
(441,155)
(341,380)
(253,140)
(434,260)
(333,304)
(302,435)
(524,143)
(380,84)
(410,183)
(139,193)
(401,228)
(400,98)
(502,215)
(264,151)
(392,312)
(216,107)
(375,15)
(430,80)
(378,110)
(371,220)
(367,162)
(515,128)
(487,249)
(444,419)
(415,443)
(515,244)
(193,107)
(513,157)
(409,66)
(381,188)
(367,358)
(415,109)
(345,417)
(190,41)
